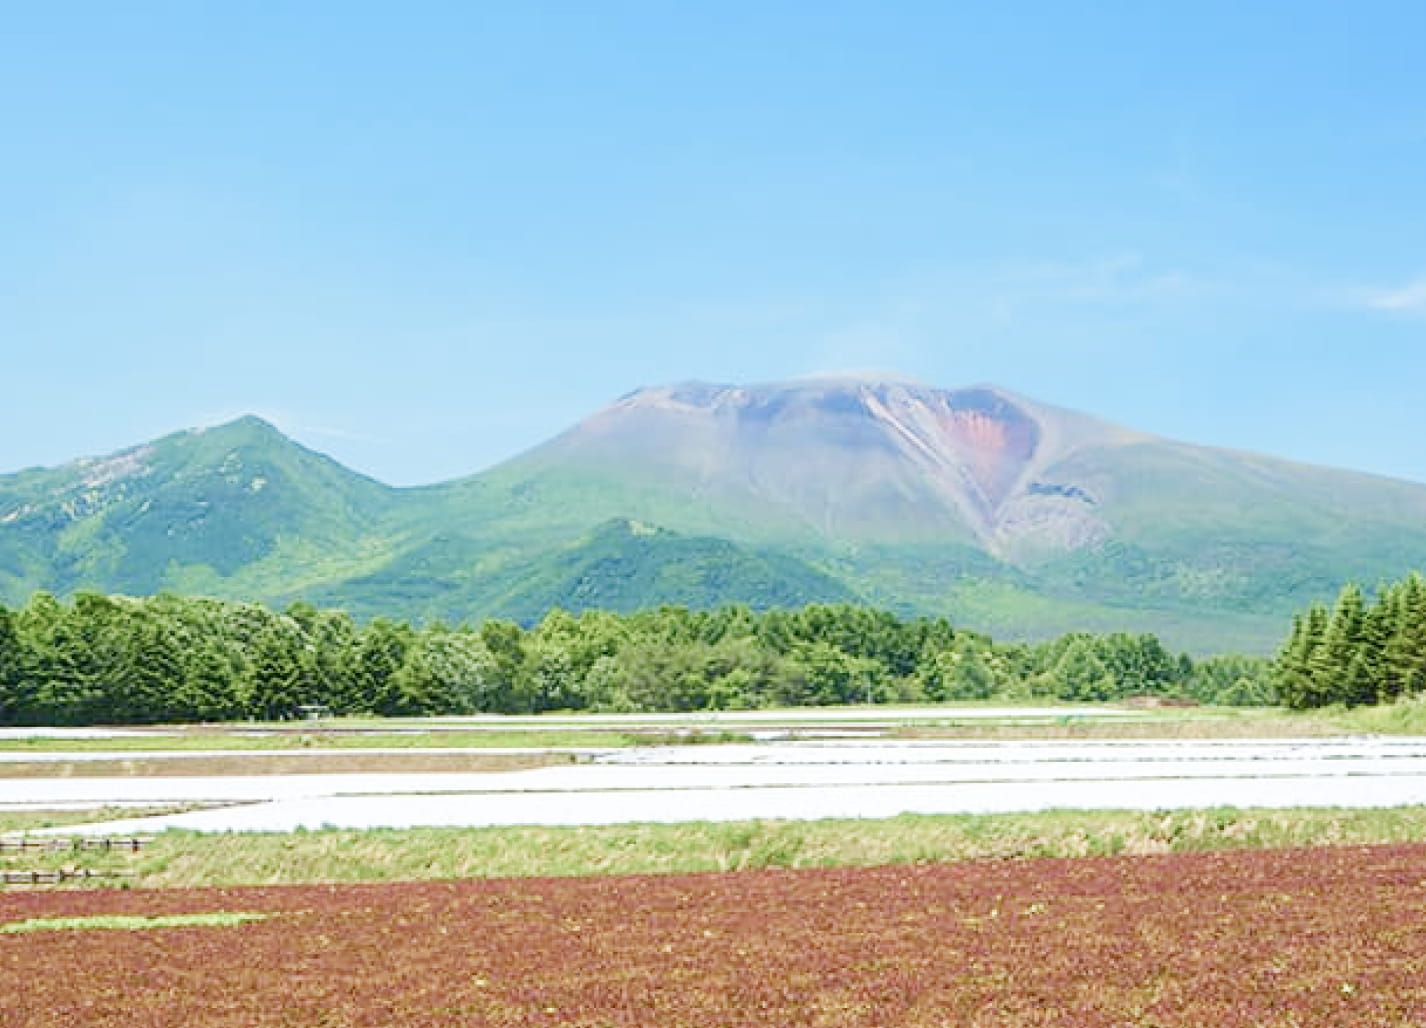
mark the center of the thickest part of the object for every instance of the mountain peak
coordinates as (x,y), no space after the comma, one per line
(247,425)
(252,421)
(857,455)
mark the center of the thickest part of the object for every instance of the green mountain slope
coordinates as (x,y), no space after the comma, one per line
(627,566)
(232,511)
(1236,531)
(977,503)
(1001,512)
(620,565)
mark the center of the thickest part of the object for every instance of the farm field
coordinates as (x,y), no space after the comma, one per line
(586,728)
(697,915)
(803,780)
(1323,936)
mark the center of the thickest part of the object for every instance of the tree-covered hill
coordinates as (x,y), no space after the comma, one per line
(620,565)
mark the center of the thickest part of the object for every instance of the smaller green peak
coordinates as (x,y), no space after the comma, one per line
(246,434)
(252,422)
(248,427)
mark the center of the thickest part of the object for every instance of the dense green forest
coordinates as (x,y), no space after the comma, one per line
(1358,652)
(102,659)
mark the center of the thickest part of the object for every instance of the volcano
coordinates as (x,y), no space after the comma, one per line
(1002,512)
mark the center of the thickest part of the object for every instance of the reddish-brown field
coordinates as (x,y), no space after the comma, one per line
(1328,936)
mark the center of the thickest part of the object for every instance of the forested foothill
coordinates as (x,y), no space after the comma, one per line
(100,659)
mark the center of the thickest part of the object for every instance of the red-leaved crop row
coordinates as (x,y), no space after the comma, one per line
(1323,936)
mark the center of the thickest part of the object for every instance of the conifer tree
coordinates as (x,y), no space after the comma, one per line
(1404,657)
(1341,645)
(275,673)
(13,703)
(1293,674)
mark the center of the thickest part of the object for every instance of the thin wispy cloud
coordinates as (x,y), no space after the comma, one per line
(1410,298)
(996,296)
(1113,279)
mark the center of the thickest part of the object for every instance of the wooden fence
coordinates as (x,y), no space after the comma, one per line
(73,843)
(57,876)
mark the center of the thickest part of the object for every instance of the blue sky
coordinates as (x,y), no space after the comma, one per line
(424,236)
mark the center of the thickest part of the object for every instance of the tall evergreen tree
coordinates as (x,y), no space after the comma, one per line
(1342,643)
(1404,654)
(1293,673)
(380,654)
(275,679)
(14,703)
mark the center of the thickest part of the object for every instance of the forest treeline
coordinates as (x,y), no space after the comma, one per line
(1358,652)
(101,659)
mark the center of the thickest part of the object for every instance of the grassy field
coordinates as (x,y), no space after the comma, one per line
(130,923)
(1233,725)
(175,859)
(1024,718)
(1404,717)
(279,738)
(287,763)
(17,821)
(566,731)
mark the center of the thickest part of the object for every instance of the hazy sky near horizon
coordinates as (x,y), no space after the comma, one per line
(423,237)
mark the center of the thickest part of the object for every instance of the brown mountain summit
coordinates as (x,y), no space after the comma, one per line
(851,457)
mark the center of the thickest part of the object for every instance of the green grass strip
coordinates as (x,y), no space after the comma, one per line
(178,859)
(288,740)
(130,923)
